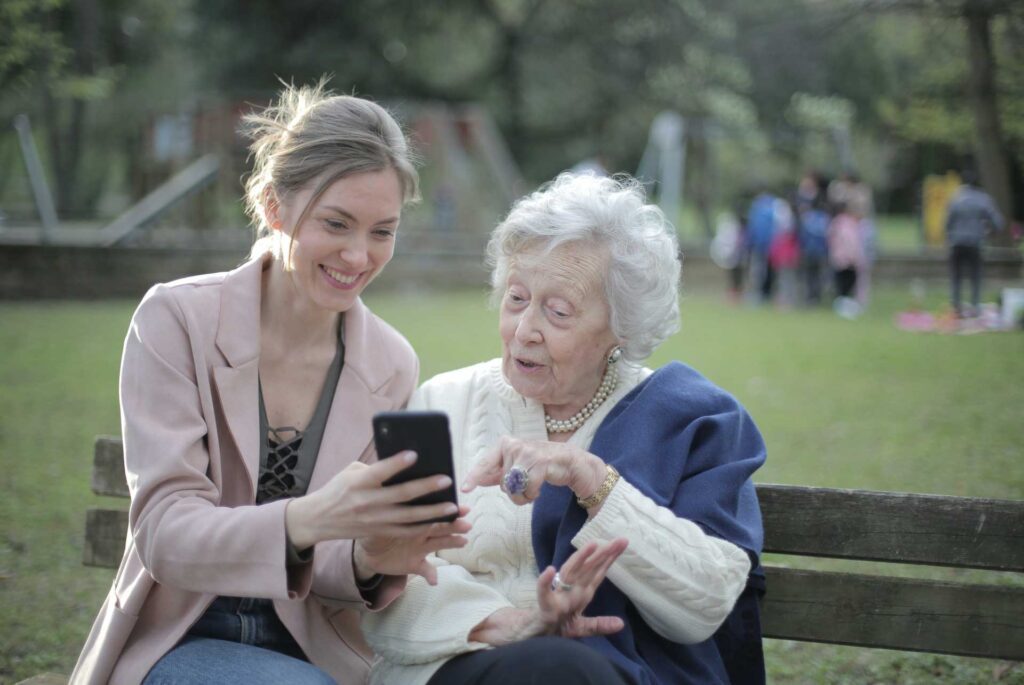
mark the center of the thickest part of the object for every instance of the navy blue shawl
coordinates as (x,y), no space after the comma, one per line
(691,447)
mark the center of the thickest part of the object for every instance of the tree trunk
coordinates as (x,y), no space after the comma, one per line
(993,164)
(55,146)
(65,133)
(512,80)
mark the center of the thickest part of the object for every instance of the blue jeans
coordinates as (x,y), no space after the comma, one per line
(965,260)
(238,640)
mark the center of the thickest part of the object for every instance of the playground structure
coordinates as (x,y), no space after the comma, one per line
(469,179)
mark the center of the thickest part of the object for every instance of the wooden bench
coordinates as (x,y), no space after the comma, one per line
(812,605)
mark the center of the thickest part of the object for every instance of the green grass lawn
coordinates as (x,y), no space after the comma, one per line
(842,404)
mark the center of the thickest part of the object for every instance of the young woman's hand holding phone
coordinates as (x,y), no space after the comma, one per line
(381,505)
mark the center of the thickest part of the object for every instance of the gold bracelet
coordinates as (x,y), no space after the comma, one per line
(602,492)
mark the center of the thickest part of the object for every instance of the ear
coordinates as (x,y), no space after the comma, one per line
(272,209)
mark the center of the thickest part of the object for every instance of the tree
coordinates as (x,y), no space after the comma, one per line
(989,143)
(579,73)
(976,18)
(60,60)
(906,69)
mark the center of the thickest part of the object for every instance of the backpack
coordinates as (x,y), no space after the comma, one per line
(761,224)
(814,232)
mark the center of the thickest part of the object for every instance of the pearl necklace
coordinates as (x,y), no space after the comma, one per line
(608,383)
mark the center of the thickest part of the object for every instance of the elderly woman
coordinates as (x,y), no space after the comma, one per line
(622,492)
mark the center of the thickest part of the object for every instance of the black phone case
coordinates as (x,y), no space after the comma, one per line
(426,433)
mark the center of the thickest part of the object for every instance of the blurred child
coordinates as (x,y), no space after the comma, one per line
(847,258)
(784,255)
(729,249)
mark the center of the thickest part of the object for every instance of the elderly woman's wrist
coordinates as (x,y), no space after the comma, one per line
(589,477)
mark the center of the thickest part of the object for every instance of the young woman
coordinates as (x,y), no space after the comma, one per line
(259,528)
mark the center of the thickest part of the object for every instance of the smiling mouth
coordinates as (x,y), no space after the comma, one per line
(342,279)
(527,364)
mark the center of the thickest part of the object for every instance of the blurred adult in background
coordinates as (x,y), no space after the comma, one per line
(813,221)
(595,484)
(971,215)
(761,227)
(258,527)
(809,191)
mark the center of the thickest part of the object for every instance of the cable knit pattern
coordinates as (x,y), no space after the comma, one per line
(420,637)
(683,581)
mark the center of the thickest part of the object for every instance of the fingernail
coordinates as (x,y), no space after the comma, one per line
(444,481)
(410,457)
(451,509)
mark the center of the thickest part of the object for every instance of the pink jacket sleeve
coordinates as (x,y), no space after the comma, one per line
(183,538)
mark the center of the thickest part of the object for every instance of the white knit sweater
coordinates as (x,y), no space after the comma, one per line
(682,581)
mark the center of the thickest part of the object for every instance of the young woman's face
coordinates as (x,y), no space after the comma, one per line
(345,239)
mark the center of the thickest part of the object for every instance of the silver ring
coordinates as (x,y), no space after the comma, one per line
(557,583)
(515,481)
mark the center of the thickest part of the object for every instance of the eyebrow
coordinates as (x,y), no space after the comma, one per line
(574,297)
(339,210)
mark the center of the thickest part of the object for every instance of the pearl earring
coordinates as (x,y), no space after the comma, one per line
(615,356)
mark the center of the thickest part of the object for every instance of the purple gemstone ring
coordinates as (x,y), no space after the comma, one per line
(515,481)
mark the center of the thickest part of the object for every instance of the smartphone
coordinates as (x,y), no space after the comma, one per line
(426,433)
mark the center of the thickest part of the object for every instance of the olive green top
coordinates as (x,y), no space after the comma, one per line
(288,455)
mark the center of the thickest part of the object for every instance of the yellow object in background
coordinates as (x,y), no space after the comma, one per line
(936,194)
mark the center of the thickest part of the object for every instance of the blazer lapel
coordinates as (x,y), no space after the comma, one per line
(237,384)
(238,390)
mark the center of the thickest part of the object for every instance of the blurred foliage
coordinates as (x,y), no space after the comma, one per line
(81,71)
(816,112)
(766,85)
(29,45)
(564,79)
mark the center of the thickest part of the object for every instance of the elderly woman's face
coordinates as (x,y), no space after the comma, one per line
(555,327)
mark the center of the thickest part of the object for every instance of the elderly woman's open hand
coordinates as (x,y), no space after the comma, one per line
(533,462)
(560,603)
(565,593)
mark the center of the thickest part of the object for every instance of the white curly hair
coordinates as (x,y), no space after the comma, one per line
(609,213)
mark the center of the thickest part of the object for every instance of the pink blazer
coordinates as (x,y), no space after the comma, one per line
(190,424)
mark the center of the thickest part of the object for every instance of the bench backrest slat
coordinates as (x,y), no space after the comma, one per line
(896,527)
(895,613)
(105,532)
(844,524)
(108,468)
